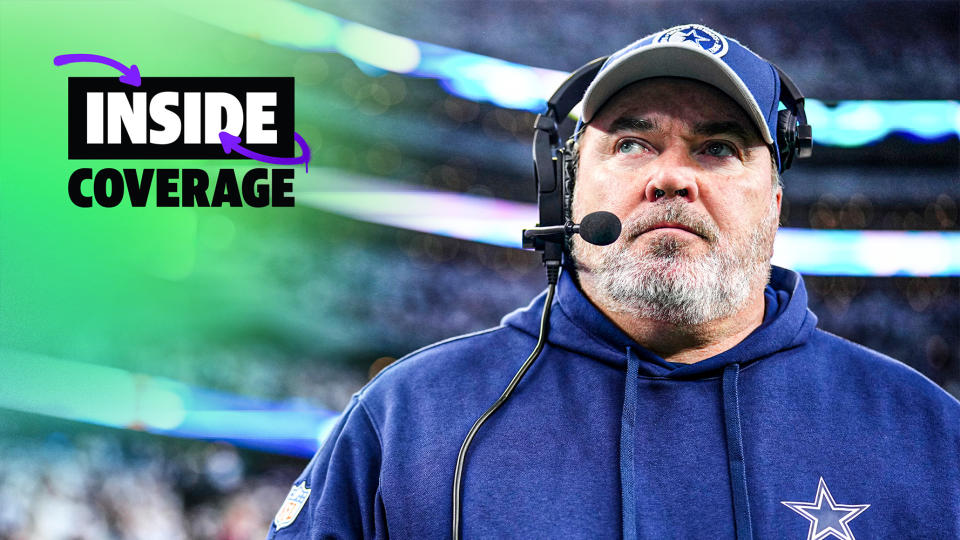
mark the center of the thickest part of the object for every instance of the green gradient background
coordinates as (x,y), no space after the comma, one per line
(116,286)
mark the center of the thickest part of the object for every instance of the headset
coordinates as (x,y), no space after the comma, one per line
(552,169)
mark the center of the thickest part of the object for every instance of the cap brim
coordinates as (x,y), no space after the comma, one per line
(672,60)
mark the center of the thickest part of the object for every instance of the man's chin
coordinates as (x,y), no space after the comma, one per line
(670,257)
(669,268)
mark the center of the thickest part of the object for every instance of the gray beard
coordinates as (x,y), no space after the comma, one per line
(669,284)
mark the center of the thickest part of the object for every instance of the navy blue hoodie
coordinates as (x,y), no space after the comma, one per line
(793,433)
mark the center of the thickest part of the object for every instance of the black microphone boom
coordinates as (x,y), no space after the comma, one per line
(598,228)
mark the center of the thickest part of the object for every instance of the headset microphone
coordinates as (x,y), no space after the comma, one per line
(598,228)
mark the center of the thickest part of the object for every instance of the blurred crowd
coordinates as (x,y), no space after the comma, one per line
(807,39)
(98,486)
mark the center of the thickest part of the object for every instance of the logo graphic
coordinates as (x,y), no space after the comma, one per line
(292,505)
(169,118)
(827,518)
(695,35)
(179,117)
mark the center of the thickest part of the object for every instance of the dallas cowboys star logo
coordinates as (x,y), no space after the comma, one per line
(693,36)
(827,518)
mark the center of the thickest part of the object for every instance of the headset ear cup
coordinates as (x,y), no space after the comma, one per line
(786,137)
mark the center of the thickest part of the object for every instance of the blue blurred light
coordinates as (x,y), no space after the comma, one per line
(506,84)
(868,253)
(499,222)
(113,397)
(857,123)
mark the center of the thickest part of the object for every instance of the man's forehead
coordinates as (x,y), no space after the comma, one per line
(704,107)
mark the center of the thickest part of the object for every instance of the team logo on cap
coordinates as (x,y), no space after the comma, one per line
(697,36)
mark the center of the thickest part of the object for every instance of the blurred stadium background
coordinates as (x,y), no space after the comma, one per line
(173,384)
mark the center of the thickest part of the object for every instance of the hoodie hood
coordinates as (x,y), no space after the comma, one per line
(577,325)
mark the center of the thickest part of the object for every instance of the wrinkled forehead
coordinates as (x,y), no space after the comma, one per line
(688,101)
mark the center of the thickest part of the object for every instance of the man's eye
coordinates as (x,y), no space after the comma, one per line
(720,149)
(629,146)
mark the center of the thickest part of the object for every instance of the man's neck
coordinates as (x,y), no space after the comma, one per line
(688,344)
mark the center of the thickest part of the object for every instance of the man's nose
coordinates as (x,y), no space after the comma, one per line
(674,174)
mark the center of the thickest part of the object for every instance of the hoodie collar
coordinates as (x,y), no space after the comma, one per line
(578,326)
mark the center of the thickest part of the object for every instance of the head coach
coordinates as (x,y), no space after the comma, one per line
(680,388)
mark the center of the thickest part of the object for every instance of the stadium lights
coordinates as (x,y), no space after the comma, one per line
(481,78)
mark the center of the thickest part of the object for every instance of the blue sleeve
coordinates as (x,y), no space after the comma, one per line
(338,494)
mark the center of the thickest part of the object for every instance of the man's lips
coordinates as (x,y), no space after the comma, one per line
(671,225)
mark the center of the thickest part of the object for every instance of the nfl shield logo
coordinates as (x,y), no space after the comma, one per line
(292,505)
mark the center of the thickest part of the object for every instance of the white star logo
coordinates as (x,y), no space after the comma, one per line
(693,36)
(827,518)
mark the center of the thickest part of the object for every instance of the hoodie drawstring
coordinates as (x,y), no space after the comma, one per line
(627,422)
(735,459)
(738,469)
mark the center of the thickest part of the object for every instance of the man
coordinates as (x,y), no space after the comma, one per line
(684,390)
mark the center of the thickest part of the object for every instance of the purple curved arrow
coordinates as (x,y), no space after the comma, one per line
(131,75)
(232,142)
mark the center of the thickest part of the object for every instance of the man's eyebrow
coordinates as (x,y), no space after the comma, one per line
(725,128)
(630,123)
